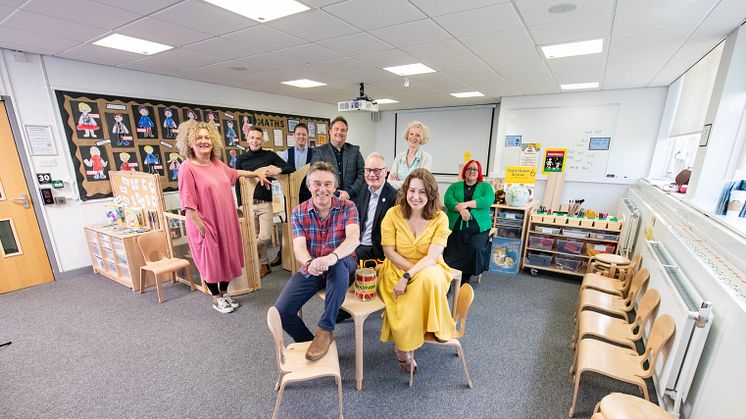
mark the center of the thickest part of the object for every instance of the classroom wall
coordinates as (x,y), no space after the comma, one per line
(30,82)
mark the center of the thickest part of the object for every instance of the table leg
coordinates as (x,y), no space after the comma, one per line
(359,322)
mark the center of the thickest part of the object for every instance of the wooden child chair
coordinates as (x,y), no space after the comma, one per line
(154,250)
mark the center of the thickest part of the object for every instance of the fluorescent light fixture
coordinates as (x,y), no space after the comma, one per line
(467,94)
(304,83)
(261,10)
(410,69)
(577,86)
(385,101)
(128,43)
(572,49)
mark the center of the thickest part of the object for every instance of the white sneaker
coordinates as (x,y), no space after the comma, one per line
(222,306)
(233,303)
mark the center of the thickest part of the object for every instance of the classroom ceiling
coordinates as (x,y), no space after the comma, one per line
(482,45)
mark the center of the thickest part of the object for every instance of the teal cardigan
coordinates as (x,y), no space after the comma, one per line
(484,195)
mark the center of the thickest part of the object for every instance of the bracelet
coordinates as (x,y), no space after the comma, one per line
(308,262)
(335,255)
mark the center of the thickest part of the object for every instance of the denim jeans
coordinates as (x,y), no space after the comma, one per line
(300,289)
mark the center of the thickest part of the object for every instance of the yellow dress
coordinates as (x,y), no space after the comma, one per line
(424,306)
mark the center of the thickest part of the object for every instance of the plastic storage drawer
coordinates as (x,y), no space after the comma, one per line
(548,230)
(539,242)
(509,232)
(566,264)
(605,236)
(569,246)
(539,259)
(571,232)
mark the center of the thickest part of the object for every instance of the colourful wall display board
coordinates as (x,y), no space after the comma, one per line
(108,133)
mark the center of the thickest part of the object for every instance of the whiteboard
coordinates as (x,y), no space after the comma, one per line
(566,127)
(453,131)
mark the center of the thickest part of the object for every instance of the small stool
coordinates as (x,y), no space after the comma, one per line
(609,264)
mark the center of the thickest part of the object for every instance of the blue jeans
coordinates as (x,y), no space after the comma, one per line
(300,289)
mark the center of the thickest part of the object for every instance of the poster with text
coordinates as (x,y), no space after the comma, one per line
(554,160)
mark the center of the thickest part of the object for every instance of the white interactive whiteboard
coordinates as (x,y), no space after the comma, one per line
(453,131)
(566,127)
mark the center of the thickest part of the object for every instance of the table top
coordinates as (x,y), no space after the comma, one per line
(356,307)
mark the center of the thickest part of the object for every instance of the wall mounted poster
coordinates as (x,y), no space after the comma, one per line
(107,133)
(554,160)
(529,154)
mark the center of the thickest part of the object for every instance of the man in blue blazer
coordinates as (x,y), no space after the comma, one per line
(345,157)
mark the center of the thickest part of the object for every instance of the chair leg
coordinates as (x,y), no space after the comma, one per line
(466,369)
(143,272)
(411,370)
(339,395)
(158,288)
(571,413)
(189,275)
(279,400)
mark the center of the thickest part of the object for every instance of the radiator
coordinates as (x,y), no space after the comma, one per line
(630,216)
(693,316)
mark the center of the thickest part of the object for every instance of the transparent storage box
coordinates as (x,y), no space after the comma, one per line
(539,242)
(509,232)
(573,232)
(567,264)
(569,246)
(548,230)
(539,259)
(604,236)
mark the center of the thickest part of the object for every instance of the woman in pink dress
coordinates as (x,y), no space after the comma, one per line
(211,221)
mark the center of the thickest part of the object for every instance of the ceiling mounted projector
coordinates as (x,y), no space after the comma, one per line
(360,103)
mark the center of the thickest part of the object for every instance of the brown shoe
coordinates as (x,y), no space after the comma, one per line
(264,270)
(320,345)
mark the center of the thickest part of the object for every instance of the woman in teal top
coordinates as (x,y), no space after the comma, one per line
(468,208)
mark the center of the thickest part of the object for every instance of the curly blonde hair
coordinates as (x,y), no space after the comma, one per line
(424,132)
(188,131)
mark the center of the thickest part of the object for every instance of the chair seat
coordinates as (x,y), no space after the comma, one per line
(166,265)
(603,283)
(610,328)
(610,360)
(625,406)
(601,300)
(298,368)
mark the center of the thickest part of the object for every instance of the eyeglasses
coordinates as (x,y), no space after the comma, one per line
(374,171)
(472,169)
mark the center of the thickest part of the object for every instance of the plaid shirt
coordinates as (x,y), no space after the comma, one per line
(323,235)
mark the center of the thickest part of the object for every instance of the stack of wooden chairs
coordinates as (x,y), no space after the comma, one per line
(613,311)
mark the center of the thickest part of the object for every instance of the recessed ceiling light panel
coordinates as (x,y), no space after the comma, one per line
(261,10)
(303,83)
(467,94)
(131,44)
(572,49)
(578,86)
(410,69)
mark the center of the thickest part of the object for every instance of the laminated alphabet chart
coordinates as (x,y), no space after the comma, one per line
(108,133)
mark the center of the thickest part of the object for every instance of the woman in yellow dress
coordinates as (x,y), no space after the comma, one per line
(414,279)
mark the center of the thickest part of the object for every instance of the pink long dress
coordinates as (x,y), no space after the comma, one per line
(207,190)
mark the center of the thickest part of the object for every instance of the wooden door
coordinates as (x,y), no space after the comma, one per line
(23,258)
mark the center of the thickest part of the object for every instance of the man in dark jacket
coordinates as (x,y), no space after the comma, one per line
(345,157)
(299,155)
(372,202)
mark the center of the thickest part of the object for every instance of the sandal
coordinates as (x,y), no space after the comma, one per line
(406,360)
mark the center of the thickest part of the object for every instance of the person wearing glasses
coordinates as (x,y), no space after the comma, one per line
(468,208)
(415,135)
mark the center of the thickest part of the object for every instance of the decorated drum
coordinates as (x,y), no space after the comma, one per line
(365,284)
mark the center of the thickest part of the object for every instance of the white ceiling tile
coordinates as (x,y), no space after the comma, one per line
(214,71)
(387,58)
(627,5)
(224,48)
(442,82)
(47,25)
(173,61)
(265,37)
(497,87)
(100,55)
(34,42)
(580,69)
(686,57)
(534,81)
(412,33)
(343,65)
(160,31)
(5,11)
(572,30)
(650,37)
(728,10)
(313,26)
(536,12)
(658,55)
(681,15)
(501,45)
(12,3)
(266,61)
(309,53)
(437,50)
(83,11)
(444,7)
(204,17)
(357,43)
(321,3)
(367,15)
(140,6)
(501,17)
(716,30)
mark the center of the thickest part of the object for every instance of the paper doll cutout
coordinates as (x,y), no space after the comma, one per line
(232,155)
(86,122)
(230,133)
(96,163)
(151,161)
(144,123)
(246,127)
(120,132)
(212,120)
(170,124)
(125,163)
(174,163)
(191,115)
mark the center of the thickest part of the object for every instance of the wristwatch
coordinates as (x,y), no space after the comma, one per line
(407,276)
(308,262)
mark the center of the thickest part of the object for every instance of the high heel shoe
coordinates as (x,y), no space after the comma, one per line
(406,360)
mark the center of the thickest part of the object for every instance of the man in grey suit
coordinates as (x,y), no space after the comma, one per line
(345,157)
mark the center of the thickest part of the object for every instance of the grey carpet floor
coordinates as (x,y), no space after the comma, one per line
(88,347)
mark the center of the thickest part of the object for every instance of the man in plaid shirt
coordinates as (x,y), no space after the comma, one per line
(326,231)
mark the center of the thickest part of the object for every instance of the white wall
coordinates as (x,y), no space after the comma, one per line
(30,85)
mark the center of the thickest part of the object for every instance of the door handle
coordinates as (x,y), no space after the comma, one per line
(22,199)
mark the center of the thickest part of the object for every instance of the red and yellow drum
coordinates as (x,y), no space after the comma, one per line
(365,284)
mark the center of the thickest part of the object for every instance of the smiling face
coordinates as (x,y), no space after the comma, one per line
(338,134)
(414,138)
(301,137)
(416,195)
(322,185)
(375,172)
(471,173)
(255,140)
(202,145)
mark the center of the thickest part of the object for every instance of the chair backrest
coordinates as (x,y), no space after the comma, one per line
(646,310)
(661,332)
(636,262)
(275,327)
(153,246)
(638,283)
(630,272)
(465,298)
